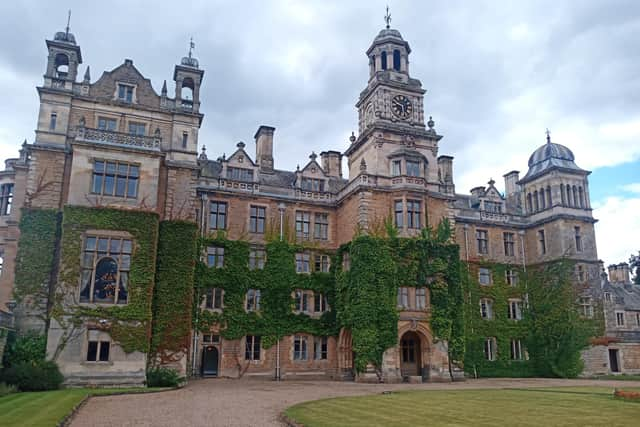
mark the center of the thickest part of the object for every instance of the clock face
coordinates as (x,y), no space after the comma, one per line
(401,106)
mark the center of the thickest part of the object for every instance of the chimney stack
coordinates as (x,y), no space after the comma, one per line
(264,148)
(332,163)
(510,180)
(478,191)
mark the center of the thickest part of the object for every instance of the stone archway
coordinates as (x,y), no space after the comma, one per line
(345,354)
(410,355)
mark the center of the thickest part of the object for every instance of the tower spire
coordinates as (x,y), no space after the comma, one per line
(387,18)
(192,46)
(68,22)
(548,136)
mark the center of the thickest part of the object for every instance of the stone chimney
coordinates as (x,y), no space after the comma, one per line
(445,167)
(332,163)
(619,273)
(478,191)
(510,180)
(264,148)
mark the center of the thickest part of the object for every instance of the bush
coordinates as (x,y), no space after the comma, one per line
(39,376)
(163,377)
(28,348)
(6,389)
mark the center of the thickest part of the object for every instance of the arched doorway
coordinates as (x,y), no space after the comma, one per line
(210,361)
(410,355)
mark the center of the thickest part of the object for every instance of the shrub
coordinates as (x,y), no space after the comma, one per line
(28,348)
(38,376)
(163,377)
(6,389)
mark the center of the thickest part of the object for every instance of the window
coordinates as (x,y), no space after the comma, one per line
(542,243)
(620,318)
(516,352)
(413,213)
(185,139)
(218,216)
(301,302)
(396,59)
(105,269)
(125,93)
(299,348)
(107,124)
(536,200)
(413,168)
(213,298)
(511,277)
(117,179)
(211,338)
(396,168)
(215,256)
(529,205)
(257,217)
(6,199)
(607,297)
(320,348)
(482,237)
(321,226)
(399,213)
(383,60)
(137,129)
(98,351)
(52,121)
(302,263)
(486,308)
(514,309)
(493,207)
(312,184)
(253,300)
(586,307)
(580,272)
(322,264)
(637,319)
(320,303)
(303,224)
(578,239)
(490,349)
(257,258)
(408,347)
(484,276)
(421,298)
(509,244)
(581,195)
(403,297)
(1,263)
(562,198)
(252,348)
(239,174)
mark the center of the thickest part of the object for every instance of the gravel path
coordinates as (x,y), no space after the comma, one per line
(224,402)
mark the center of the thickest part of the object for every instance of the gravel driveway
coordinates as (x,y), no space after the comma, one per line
(225,402)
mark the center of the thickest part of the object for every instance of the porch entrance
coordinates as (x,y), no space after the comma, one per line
(613,360)
(410,355)
(210,361)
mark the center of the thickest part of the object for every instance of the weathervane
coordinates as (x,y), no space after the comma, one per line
(548,136)
(68,22)
(387,17)
(192,46)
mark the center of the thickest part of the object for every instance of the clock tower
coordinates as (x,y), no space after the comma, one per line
(391,110)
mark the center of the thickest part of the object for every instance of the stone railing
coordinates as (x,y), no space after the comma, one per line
(118,138)
(405,179)
(493,216)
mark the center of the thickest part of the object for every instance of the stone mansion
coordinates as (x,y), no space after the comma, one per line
(115,144)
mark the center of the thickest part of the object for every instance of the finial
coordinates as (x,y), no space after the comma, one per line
(240,144)
(68,22)
(363,165)
(164,92)
(548,136)
(203,155)
(352,138)
(25,142)
(431,123)
(491,181)
(313,156)
(192,46)
(87,76)
(387,18)
(298,168)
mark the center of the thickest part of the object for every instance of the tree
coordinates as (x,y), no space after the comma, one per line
(634,262)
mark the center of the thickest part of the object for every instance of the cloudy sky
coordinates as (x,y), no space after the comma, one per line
(497,75)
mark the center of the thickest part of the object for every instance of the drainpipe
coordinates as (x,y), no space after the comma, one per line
(194,353)
(281,208)
(466,257)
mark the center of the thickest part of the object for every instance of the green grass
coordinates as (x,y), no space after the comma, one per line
(47,408)
(570,406)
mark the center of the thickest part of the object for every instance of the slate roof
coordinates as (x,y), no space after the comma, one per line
(550,156)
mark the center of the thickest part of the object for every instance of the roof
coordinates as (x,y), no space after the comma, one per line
(550,156)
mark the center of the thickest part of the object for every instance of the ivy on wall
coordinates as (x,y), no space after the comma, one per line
(276,282)
(173,292)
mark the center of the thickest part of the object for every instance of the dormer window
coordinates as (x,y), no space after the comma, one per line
(413,168)
(125,93)
(312,184)
(239,174)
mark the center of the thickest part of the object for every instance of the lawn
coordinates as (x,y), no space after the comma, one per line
(575,406)
(47,408)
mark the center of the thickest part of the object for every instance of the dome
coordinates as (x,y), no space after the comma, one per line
(550,156)
(388,32)
(189,61)
(65,37)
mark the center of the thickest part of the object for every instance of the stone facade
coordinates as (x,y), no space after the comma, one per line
(395,169)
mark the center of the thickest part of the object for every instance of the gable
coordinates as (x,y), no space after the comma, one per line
(106,86)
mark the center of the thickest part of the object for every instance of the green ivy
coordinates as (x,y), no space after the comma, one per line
(173,293)
(276,282)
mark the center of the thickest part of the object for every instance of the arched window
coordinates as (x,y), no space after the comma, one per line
(396,60)
(186,94)
(62,66)
(562,198)
(543,201)
(536,201)
(549,204)
(373,62)
(529,206)
(581,194)
(383,60)
(575,196)
(105,270)
(569,203)
(105,280)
